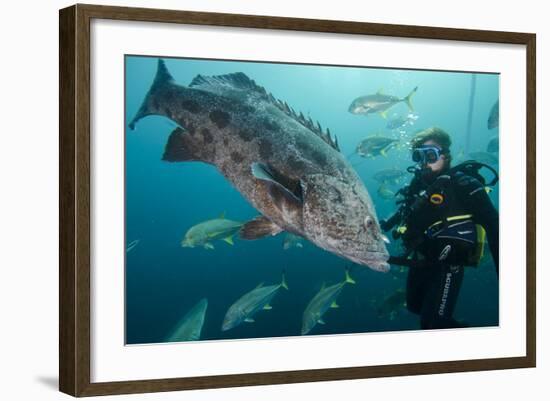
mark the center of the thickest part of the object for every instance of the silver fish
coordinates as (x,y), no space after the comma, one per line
(375,145)
(204,233)
(190,326)
(287,167)
(379,103)
(322,302)
(244,309)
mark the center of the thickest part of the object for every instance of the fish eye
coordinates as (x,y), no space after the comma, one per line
(369,222)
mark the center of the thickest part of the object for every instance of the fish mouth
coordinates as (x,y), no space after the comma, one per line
(377,261)
(355,109)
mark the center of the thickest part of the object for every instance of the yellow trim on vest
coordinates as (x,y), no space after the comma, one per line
(437,199)
(452,218)
(401,229)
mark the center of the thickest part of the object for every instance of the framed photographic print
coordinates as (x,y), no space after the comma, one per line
(251,200)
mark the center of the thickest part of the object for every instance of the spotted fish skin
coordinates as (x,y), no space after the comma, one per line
(249,304)
(286,166)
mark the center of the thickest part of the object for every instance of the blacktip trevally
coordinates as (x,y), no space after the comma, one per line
(189,328)
(375,145)
(322,302)
(379,103)
(287,167)
(204,233)
(244,309)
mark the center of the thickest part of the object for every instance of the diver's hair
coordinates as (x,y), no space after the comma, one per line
(439,136)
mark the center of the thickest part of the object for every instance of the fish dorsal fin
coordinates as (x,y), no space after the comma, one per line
(324,135)
(222,215)
(239,85)
(380,91)
(259,285)
(306,122)
(227,82)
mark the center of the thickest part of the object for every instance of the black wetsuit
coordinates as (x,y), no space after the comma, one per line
(433,286)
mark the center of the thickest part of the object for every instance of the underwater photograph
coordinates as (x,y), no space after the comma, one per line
(269,199)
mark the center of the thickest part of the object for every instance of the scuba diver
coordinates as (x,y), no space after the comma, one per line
(443,219)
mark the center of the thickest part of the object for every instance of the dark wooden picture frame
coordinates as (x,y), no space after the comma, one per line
(74,203)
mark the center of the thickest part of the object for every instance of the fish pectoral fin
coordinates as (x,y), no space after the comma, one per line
(208,245)
(249,320)
(260,227)
(321,321)
(180,147)
(334,305)
(384,114)
(229,240)
(268,307)
(285,193)
(383,153)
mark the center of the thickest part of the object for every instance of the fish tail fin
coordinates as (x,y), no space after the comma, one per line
(283,281)
(349,279)
(407,99)
(162,79)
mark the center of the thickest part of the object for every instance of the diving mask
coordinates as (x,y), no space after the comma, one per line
(426,154)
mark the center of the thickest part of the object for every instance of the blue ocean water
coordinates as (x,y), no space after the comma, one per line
(163,200)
